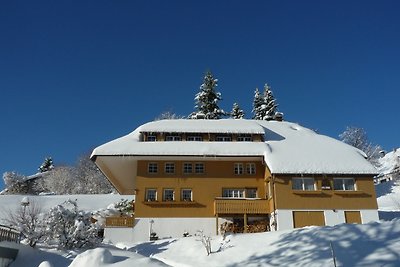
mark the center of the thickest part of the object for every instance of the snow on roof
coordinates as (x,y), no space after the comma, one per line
(288,148)
(228,126)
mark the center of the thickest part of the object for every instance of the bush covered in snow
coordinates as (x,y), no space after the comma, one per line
(68,227)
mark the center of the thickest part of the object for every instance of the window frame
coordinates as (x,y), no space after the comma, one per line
(303,184)
(168,166)
(194,138)
(238,168)
(183,194)
(343,184)
(244,138)
(198,170)
(165,195)
(147,199)
(247,190)
(173,138)
(233,192)
(185,169)
(251,168)
(151,166)
(223,138)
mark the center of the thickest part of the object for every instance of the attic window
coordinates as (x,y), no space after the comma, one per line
(223,138)
(173,138)
(151,138)
(194,138)
(244,138)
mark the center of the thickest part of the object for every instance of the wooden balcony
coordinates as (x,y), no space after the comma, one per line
(117,221)
(241,206)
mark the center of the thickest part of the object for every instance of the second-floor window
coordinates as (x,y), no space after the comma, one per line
(306,184)
(169,195)
(170,168)
(238,168)
(233,193)
(151,194)
(152,167)
(344,184)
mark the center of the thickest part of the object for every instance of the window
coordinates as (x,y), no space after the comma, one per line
(251,193)
(194,138)
(303,184)
(173,138)
(186,195)
(151,138)
(199,168)
(251,168)
(169,195)
(151,194)
(187,168)
(169,167)
(152,167)
(344,184)
(238,168)
(244,138)
(223,138)
(233,193)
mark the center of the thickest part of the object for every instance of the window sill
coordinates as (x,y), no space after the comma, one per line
(307,192)
(170,203)
(349,192)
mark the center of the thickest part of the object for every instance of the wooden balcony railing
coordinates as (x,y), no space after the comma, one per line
(241,206)
(123,221)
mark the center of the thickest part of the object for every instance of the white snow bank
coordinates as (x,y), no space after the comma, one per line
(374,244)
(390,162)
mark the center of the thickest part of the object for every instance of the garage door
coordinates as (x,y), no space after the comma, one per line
(307,218)
(352,216)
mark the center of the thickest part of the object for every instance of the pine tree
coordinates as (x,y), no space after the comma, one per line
(264,106)
(46,165)
(237,112)
(257,104)
(207,99)
(270,103)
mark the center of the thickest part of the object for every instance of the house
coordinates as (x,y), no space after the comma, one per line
(190,175)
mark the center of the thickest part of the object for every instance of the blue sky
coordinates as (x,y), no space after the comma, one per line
(76,74)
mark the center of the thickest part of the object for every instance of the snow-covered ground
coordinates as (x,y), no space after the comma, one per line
(374,244)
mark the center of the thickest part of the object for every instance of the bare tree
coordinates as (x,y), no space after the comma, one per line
(28,220)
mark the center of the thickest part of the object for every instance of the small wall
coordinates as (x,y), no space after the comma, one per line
(118,234)
(173,227)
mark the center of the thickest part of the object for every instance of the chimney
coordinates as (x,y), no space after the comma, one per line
(278,116)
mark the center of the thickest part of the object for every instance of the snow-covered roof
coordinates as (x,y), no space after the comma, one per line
(288,148)
(203,126)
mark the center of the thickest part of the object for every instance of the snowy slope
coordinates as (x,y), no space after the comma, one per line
(390,163)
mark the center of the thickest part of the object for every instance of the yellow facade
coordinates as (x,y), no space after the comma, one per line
(206,187)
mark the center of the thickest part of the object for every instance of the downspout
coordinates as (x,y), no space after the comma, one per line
(274,204)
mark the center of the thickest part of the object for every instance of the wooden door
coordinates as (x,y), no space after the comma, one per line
(307,218)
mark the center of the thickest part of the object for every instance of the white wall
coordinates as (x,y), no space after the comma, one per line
(173,227)
(116,235)
(369,216)
(284,218)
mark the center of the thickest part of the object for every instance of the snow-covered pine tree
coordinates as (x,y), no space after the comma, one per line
(207,99)
(270,103)
(257,104)
(46,165)
(264,106)
(237,112)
